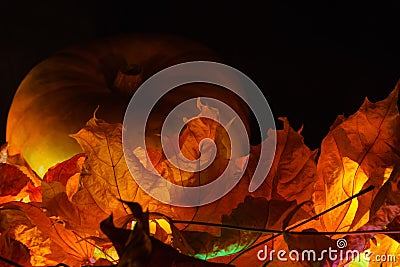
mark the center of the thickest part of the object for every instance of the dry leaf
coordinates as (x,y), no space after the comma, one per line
(65,170)
(354,155)
(18,161)
(14,251)
(83,191)
(12,180)
(137,249)
(74,252)
(293,172)
(3,153)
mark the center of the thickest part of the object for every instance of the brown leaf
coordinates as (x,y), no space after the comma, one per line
(3,153)
(394,226)
(293,171)
(63,171)
(60,238)
(354,155)
(18,161)
(384,247)
(12,180)
(14,251)
(207,246)
(34,192)
(76,216)
(378,221)
(18,224)
(137,249)
(105,179)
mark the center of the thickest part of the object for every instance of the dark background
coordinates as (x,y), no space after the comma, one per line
(313,60)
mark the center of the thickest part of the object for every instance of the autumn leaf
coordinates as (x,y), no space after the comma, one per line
(13,251)
(138,249)
(28,222)
(33,189)
(289,182)
(15,185)
(77,197)
(12,180)
(354,155)
(59,186)
(107,172)
(384,247)
(15,222)
(76,216)
(106,178)
(204,126)
(204,245)
(17,160)
(63,171)
(293,171)
(3,153)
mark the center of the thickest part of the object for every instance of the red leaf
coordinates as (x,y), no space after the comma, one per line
(13,251)
(12,180)
(64,170)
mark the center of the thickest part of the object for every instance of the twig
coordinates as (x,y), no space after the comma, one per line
(10,262)
(270,231)
(226,226)
(368,189)
(94,245)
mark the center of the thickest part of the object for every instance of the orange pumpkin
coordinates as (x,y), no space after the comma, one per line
(60,94)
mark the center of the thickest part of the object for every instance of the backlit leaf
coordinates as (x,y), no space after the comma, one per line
(354,155)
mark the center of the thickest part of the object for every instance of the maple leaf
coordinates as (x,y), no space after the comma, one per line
(378,221)
(137,249)
(13,250)
(205,245)
(83,191)
(12,180)
(106,178)
(290,181)
(3,153)
(15,185)
(63,171)
(293,171)
(354,155)
(63,244)
(378,161)
(19,161)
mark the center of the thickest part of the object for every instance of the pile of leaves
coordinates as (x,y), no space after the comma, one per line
(88,210)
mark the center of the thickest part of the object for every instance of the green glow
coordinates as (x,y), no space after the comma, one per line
(232,249)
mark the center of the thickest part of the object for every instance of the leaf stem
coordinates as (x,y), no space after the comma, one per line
(362,192)
(94,245)
(10,262)
(270,231)
(227,226)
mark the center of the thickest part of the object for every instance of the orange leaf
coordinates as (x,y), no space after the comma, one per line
(14,251)
(64,170)
(12,180)
(106,179)
(293,171)
(354,155)
(74,251)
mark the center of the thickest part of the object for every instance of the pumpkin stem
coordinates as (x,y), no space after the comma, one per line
(128,79)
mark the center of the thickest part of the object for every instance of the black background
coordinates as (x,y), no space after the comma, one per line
(313,60)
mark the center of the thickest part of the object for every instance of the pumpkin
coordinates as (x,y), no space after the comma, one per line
(60,94)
